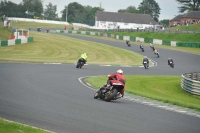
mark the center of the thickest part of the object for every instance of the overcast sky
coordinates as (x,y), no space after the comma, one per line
(169,8)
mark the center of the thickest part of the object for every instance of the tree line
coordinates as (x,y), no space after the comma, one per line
(77,13)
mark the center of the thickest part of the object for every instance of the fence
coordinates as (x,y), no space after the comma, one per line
(190,82)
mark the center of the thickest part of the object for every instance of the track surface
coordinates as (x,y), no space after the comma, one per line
(52,98)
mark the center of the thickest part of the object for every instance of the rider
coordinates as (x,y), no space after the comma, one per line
(119,77)
(141,46)
(83,57)
(150,44)
(155,51)
(170,60)
(127,42)
(146,59)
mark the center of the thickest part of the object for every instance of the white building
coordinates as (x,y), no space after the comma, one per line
(116,20)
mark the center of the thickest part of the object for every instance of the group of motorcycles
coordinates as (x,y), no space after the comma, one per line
(111,93)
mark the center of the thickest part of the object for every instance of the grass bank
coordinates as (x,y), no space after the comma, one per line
(163,88)
(5,33)
(186,37)
(26,25)
(190,27)
(56,48)
(12,127)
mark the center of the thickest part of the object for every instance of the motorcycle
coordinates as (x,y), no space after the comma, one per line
(157,54)
(80,63)
(142,48)
(152,47)
(110,93)
(171,64)
(128,43)
(145,65)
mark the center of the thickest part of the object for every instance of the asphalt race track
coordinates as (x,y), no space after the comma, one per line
(50,96)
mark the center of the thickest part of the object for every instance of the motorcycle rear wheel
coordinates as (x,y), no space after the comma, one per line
(110,95)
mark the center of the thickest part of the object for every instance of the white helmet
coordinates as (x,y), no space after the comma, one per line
(120,71)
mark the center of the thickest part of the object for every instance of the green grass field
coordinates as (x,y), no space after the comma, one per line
(26,25)
(190,27)
(163,88)
(12,127)
(62,49)
(5,33)
(186,37)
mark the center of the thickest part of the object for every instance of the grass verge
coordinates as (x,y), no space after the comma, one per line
(12,127)
(5,33)
(186,37)
(183,49)
(162,88)
(56,48)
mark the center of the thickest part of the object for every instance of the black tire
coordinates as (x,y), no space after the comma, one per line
(96,95)
(110,95)
(77,65)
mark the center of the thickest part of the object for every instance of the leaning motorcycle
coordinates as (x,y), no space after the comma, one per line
(110,93)
(128,43)
(142,48)
(80,63)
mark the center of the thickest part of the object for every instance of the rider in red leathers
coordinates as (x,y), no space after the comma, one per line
(117,77)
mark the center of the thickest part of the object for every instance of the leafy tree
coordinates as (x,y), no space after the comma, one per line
(35,6)
(130,9)
(9,9)
(189,5)
(164,22)
(50,12)
(150,7)
(80,14)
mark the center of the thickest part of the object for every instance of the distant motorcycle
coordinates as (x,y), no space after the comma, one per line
(80,63)
(152,47)
(145,65)
(110,93)
(128,43)
(171,64)
(142,48)
(158,55)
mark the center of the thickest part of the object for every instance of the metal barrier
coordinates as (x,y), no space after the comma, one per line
(190,82)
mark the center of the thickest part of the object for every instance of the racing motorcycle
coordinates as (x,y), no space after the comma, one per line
(145,64)
(110,93)
(80,63)
(157,54)
(152,47)
(128,43)
(171,64)
(142,48)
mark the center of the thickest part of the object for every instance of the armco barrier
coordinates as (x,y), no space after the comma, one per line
(190,82)
(136,39)
(15,41)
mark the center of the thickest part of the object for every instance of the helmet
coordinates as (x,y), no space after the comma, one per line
(169,58)
(120,71)
(145,57)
